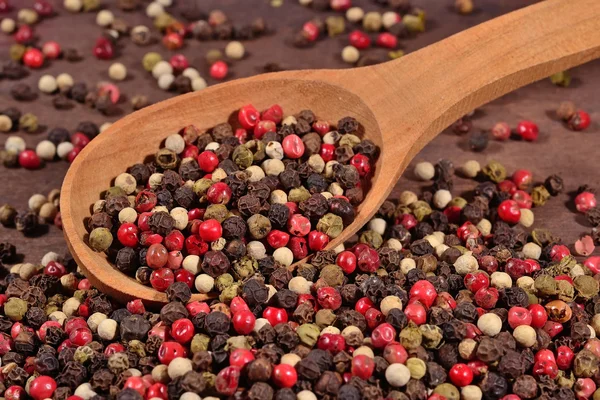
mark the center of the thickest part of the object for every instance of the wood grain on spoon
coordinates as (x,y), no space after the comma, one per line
(402,105)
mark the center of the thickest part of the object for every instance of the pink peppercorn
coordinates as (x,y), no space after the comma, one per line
(584,388)
(362,164)
(243,322)
(516,268)
(564,357)
(208,161)
(136,307)
(461,375)
(522,178)
(43,8)
(263,127)
(518,316)
(172,41)
(317,240)
(362,366)
(174,261)
(593,264)
(327,152)
(329,298)
(293,146)
(528,130)
(395,353)
(54,268)
(29,159)
(539,316)
(277,239)
(161,279)
(359,39)
(240,357)
(579,121)
(523,199)
(219,70)
(321,127)
(333,343)
(51,50)
(559,251)
(275,315)
(368,260)
(416,313)
(273,113)
(509,211)
(476,280)
(501,131)
(387,40)
(299,247)
(227,380)
(374,317)
(507,186)
(248,116)
(545,368)
(104,49)
(179,62)
(310,31)
(487,297)
(33,58)
(24,34)
(284,375)
(383,335)
(585,201)
(424,292)
(363,305)
(299,225)
(346,260)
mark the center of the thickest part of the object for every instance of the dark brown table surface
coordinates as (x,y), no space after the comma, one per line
(573,155)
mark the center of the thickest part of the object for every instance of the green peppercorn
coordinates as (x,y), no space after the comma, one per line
(325,318)
(164,20)
(258,226)
(449,391)
(201,186)
(586,286)
(349,140)
(200,342)
(28,122)
(224,281)
(395,54)
(413,23)
(458,202)
(298,195)
(565,379)
(585,364)
(245,267)
(242,156)
(114,191)
(83,354)
(137,347)
(214,55)
(91,5)
(16,52)
(331,224)
(421,209)
(495,171)
(417,367)
(542,237)
(371,238)
(166,159)
(100,239)
(7,215)
(210,379)
(15,308)
(545,285)
(566,291)
(309,334)
(336,25)
(9,158)
(238,342)
(411,337)
(540,195)
(229,293)
(562,78)
(332,275)
(216,211)
(432,336)
(150,60)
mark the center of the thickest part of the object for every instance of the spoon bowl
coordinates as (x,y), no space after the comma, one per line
(402,105)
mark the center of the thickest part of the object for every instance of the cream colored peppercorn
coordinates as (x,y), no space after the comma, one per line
(527,217)
(58,316)
(256,249)
(212,146)
(259,324)
(273,167)
(256,173)
(377,225)
(592,332)
(525,335)
(278,196)
(179,367)
(290,359)
(175,143)
(532,250)
(407,198)
(526,282)
(272,291)
(335,189)
(27,16)
(70,306)
(466,348)
(393,244)
(306,395)
(69,281)
(8,25)
(424,171)
(490,324)
(98,206)
(160,374)
(127,215)
(284,256)
(180,215)
(289,120)
(126,182)
(350,54)
(36,202)
(596,324)
(330,329)
(104,18)
(397,375)
(355,14)
(73,5)
(190,396)
(407,264)
(63,149)
(365,351)
(204,283)
(235,50)
(389,19)
(372,21)
(47,84)
(471,392)
(48,212)
(331,138)
(434,240)
(327,195)
(485,227)
(441,198)
(117,72)
(50,256)
(95,319)
(351,331)
(15,144)
(154,9)
(84,391)
(500,280)
(162,68)
(198,84)
(5,123)
(388,303)
(165,81)
(46,150)
(316,163)
(470,169)
(26,271)
(440,249)
(155,180)
(191,73)
(300,285)
(218,175)
(466,264)
(64,82)
(274,150)
(329,169)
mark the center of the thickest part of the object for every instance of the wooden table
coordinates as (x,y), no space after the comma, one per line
(573,155)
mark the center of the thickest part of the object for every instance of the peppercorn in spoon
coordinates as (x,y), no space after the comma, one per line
(402,105)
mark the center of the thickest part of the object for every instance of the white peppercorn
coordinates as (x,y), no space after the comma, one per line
(424,171)
(46,150)
(154,9)
(500,280)
(85,391)
(389,19)
(15,144)
(441,198)
(378,225)
(407,197)
(190,396)
(155,180)
(63,149)
(204,283)
(300,285)
(407,264)
(191,73)
(26,271)
(372,21)
(306,395)
(289,120)
(180,215)
(350,54)
(95,319)
(471,392)
(64,82)
(8,25)
(273,167)
(5,123)
(470,169)
(331,138)
(397,375)
(532,250)
(175,143)
(117,72)
(525,335)
(434,240)
(393,244)
(330,329)
(327,195)
(48,211)
(526,282)
(104,18)
(58,316)
(365,351)
(50,256)
(260,322)
(440,249)
(256,173)
(165,81)
(527,217)
(70,306)
(179,367)
(36,202)
(388,303)
(127,215)
(162,68)
(284,256)
(272,291)
(73,5)
(212,146)
(489,324)
(107,329)
(278,196)
(465,264)
(235,50)
(274,150)
(198,83)
(290,359)
(126,182)
(316,163)
(355,14)
(160,374)
(485,227)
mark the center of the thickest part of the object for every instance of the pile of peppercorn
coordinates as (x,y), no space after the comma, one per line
(212,205)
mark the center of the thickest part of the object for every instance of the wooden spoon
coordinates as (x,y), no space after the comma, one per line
(402,104)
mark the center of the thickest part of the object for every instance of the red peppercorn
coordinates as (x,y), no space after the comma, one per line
(545,368)
(346,260)
(168,351)
(579,121)
(243,322)
(114,348)
(284,375)
(219,70)
(553,328)
(263,127)
(374,317)
(387,40)
(248,116)
(157,390)
(424,292)
(293,146)
(240,357)
(539,317)
(317,240)
(174,240)
(368,260)
(584,388)
(461,375)
(43,8)
(24,34)
(564,357)
(507,186)
(144,202)
(362,366)
(273,113)
(445,300)
(29,159)
(299,247)
(172,41)
(208,161)
(128,234)
(14,392)
(227,380)
(51,50)
(486,297)
(528,130)
(501,131)
(585,201)
(509,211)
(340,5)
(453,214)
(544,355)
(321,127)
(516,268)
(329,298)
(593,264)
(196,307)
(81,336)
(327,152)
(333,343)
(518,316)
(299,225)
(148,238)
(416,313)
(277,239)
(84,284)
(310,31)
(210,230)
(362,164)
(359,39)
(161,279)
(157,256)
(182,330)
(476,280)
(363,304)
(275,315)
(104,49)
(54,268)
(523,199)
(559,251)
(78,139)
(136,383)
(395,353)
(478,367)
(522,178)
(179,62)
(383,335)
(136,306)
